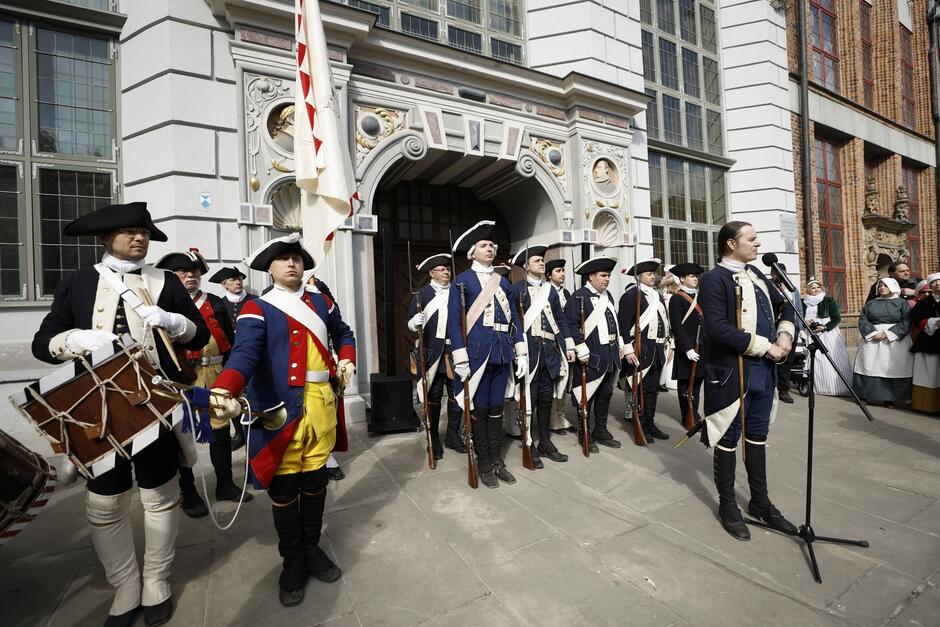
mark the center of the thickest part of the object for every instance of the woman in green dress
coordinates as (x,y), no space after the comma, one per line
(884,364)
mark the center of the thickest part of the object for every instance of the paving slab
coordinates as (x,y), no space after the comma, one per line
(921,611)
(32,590)
(876,597)
(486,610)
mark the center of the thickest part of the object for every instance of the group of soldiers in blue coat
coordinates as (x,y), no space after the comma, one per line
(537,334)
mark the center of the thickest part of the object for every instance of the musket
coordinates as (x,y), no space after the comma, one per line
(527,462)
(583,408)
(472,479)
(422,367)
(738,297)
(690,415)
(636,383)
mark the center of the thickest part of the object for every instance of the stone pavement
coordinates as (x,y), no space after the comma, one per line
(627,537)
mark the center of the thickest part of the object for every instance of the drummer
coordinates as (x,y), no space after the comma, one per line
(90,309)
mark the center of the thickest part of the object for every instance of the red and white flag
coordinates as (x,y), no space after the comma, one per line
(324,169)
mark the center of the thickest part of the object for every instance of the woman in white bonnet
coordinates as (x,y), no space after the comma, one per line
(884,364)
(925,318)
(822,314)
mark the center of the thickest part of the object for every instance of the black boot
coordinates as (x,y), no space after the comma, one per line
(293,577)
(481,448)
(127,619)
(728,512)
(312,500)
(434,421)
(536,458)
(760,507)
(494,428)
(600,434)
(192,504)
(649,411)
(452,438)
(220,452)
(159,614)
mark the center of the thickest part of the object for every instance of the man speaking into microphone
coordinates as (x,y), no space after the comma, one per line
(778,274)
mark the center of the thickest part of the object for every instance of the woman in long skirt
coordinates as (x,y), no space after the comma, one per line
(822,314)
(668,287)
(884,363)
(925,318)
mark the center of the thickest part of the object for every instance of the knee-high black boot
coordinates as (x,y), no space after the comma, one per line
(728,512)
(220,453)
(452,438)
(293,577)
(760,507)
(192,504)
(481,443)
(494,428)
(649,412)
(312,500)
(434,421)
(600,434)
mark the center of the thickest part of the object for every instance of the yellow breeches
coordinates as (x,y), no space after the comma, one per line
(316,430)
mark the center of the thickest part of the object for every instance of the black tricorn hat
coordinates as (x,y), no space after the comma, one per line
(440,259)
(650,265)
(191,259)
(133,215)
(228,272)
(685,269)
(597,264)
(554,263)
(522,257)
(468,239)
(502,270)
(262,257)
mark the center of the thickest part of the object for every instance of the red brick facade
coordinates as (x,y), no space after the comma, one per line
(887,111)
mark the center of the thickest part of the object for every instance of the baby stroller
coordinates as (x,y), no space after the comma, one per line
(799,371)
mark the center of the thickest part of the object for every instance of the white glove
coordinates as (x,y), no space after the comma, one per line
(462,370)
(570,356)
(692,355)
(88,340)
(346,371)
(522,366)
(223,406)
(583,353)
(416,322)
(154,316)
(932,325)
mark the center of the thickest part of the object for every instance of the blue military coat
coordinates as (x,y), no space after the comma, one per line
(550,353)
(604,356)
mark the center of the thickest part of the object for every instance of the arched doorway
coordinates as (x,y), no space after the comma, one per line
(425,215)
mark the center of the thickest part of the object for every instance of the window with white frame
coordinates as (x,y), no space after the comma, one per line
(58,150)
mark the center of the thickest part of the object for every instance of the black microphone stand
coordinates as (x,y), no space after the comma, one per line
(806,532)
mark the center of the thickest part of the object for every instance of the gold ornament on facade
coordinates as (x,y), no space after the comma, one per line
(551,154)
(373,126)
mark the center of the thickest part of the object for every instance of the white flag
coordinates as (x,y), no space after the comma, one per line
(324,170)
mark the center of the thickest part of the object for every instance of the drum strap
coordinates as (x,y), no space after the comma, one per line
(112,279)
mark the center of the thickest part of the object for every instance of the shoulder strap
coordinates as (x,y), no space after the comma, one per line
(484,298)
(694,305)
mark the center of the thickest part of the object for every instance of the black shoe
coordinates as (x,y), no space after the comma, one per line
(572,429)
(556,456)
(438,455)
(122,620)
(293,581)
(489,479)
(231,492)
(503,474)
(771,516)
(337,474)
(193,506)
(291,598)
(158,614)
(459,447)
(733,522)
(610,442)
(655,432)
(785,397)
(592,447)
(238,441)
(539,464)
(561,431)
(319,565)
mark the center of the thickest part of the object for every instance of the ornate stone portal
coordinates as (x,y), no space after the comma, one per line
(885,237)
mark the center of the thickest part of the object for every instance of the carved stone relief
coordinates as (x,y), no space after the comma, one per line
(269,122)
(373,126)
(604,176)
(552,154)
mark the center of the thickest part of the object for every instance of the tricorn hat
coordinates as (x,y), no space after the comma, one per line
(554,263)
(685,269)
(522,257)
(191,259)
(228,272)
(133,215)
(650,265)
(440,259)
(262,257)
(597,264)
(479,231)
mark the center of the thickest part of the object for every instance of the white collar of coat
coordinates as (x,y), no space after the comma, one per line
(298,293)
(689,290)
(121,266)
(479,268)
(732,264)
(533,282)
(652,292)
(235,298)
(592,290)
(439,286)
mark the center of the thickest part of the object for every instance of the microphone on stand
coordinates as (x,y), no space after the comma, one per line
(770,260)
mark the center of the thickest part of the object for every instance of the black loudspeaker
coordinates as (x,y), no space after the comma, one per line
(392,409)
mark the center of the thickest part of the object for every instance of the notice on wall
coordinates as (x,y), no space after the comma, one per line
(788,232)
